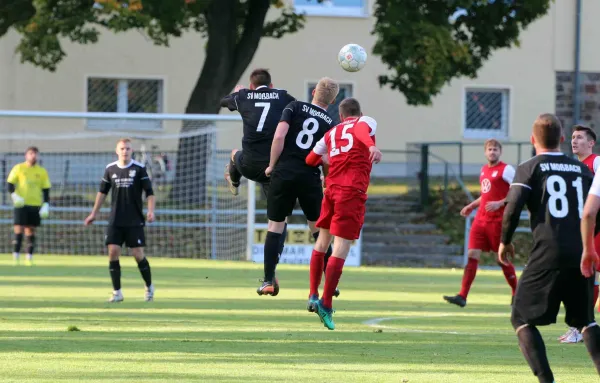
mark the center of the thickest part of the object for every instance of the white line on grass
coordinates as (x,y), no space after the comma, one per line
(376,323)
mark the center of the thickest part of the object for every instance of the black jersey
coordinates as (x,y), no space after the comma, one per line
(308,123)
(554,187)
(127,184)
(260,110)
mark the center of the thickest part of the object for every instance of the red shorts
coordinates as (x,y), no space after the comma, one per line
(343,212)
(485,236)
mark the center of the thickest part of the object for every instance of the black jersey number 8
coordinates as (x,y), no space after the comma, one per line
(309,128)
(557,189)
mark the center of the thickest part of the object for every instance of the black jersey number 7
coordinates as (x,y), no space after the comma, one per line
(263,116)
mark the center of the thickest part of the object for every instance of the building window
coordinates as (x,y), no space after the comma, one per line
(338,8)
(124,96)
(486,113)
(333,109)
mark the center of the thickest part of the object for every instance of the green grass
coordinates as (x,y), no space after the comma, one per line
(208,325)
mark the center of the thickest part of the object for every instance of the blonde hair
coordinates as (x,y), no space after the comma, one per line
(124,140)
(326,91)
(492,142)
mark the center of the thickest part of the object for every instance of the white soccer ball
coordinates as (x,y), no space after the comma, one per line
(352,57)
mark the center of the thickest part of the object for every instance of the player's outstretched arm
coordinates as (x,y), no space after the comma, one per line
(18,201)
(100,197)
(277,145)
(467,210)
(46,185)
(230,101)
(316,156)
(588,223)
(105,186)
(13,179)
(147,187)
(517,197)
(150,217)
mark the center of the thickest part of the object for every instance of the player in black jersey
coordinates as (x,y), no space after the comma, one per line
(553,186)
(128,180)
(302,126)
(260,108)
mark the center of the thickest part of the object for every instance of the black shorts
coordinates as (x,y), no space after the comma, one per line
(252,170)
(307,189)
(131,236)
(540,292)
(27,216)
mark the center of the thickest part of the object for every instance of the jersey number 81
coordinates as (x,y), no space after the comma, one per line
(557,190)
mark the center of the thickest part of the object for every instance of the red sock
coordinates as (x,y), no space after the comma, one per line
(316,271)
(332,278)
(511,276)
(596,296)
(468,277)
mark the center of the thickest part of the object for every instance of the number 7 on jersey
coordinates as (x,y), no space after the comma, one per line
(263,116)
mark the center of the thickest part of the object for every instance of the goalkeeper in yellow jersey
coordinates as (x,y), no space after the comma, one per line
(29,188)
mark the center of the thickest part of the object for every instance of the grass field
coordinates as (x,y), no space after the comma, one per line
(208,325)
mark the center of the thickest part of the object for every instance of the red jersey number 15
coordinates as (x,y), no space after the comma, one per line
(345,136)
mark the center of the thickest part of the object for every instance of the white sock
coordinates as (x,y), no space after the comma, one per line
(16,255)
(29,257)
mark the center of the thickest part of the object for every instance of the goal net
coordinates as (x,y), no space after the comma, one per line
(185,155)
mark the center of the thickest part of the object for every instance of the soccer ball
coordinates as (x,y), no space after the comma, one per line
(352,57)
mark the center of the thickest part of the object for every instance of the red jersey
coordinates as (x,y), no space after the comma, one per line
(592,162)
(347,146)
(495,182)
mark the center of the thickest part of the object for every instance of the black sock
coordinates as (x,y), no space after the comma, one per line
(234,173)
(272,242)
(18,241)
(115,274)
(144,267)
(327,253)
(591,337)
(30,243)
(282,241)
(533,348)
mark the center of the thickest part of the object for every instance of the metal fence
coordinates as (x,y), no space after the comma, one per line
(196,214)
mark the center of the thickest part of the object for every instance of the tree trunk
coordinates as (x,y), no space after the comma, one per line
(228,54)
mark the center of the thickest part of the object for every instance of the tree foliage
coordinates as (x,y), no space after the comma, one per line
(43,23)
(427,43)
(424,43)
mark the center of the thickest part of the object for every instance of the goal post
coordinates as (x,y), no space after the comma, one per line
(185,156)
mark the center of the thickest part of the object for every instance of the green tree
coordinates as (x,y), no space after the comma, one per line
(424,43)
(232,30)
(427,43)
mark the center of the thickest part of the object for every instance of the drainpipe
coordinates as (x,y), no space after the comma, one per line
(577,93)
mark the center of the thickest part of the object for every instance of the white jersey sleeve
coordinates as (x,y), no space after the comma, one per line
(509,174)
(321,147)
(595,188)
(371,122)
(596,164)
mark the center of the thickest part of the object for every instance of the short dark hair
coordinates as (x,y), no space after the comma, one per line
(32,149)
(589,132)
(547,131)
(260,77)
(349,107)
